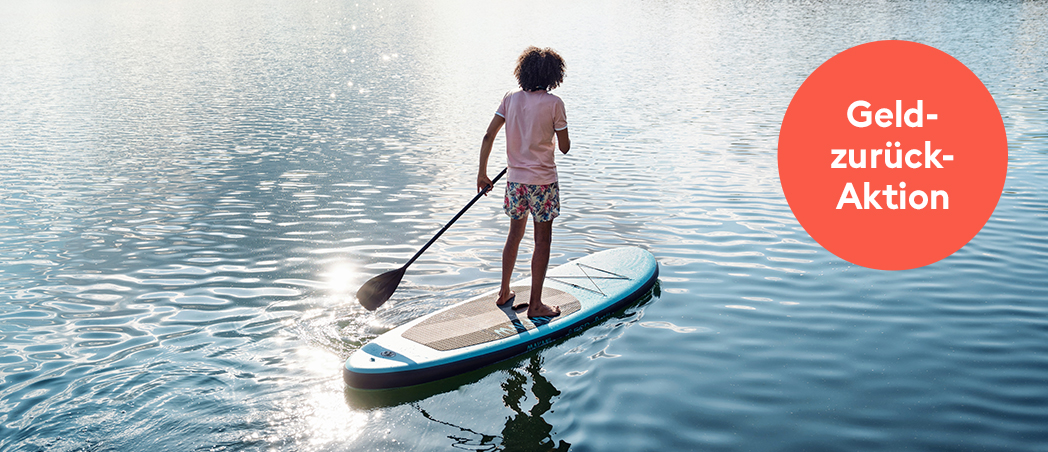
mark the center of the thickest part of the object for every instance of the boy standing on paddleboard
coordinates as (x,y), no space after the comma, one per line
(532,117)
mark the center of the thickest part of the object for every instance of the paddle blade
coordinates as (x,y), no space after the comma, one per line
(378,289)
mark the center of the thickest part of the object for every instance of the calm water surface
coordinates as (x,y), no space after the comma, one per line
(191,192)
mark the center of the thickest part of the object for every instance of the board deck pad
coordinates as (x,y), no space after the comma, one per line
(481,320)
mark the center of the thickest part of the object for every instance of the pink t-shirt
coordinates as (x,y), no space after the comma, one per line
(532,118)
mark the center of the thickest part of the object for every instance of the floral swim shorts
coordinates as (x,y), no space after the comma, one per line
(542,201)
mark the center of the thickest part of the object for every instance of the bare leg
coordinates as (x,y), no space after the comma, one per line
(509,257)
(539,262)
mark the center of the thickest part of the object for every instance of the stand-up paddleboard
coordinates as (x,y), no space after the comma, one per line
(477,332)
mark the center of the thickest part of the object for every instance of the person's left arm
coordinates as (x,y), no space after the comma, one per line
(560,126)
(562,140)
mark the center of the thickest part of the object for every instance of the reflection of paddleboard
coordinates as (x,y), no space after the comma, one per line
(477,332)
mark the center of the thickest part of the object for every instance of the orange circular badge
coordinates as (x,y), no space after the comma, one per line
(892,155)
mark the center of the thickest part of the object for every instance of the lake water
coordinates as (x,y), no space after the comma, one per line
(191,192)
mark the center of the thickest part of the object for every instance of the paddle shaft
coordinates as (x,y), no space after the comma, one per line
(446,226)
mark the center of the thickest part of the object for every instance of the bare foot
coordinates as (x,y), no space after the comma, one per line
(505,299)
(542,310)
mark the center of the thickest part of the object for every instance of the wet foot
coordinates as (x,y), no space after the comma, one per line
(542,310)
(503,299)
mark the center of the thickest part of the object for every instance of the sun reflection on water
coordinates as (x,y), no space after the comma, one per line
(315,419)
(342,278)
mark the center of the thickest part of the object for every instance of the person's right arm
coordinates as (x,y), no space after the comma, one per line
(483,182)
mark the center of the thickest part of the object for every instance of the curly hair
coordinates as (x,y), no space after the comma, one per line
(539,69)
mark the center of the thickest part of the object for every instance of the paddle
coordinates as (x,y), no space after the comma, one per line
(378,289)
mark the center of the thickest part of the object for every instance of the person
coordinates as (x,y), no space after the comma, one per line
(532,116)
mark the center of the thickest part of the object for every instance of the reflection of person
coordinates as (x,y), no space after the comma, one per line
(532,117)
(528,430)
(525,430)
